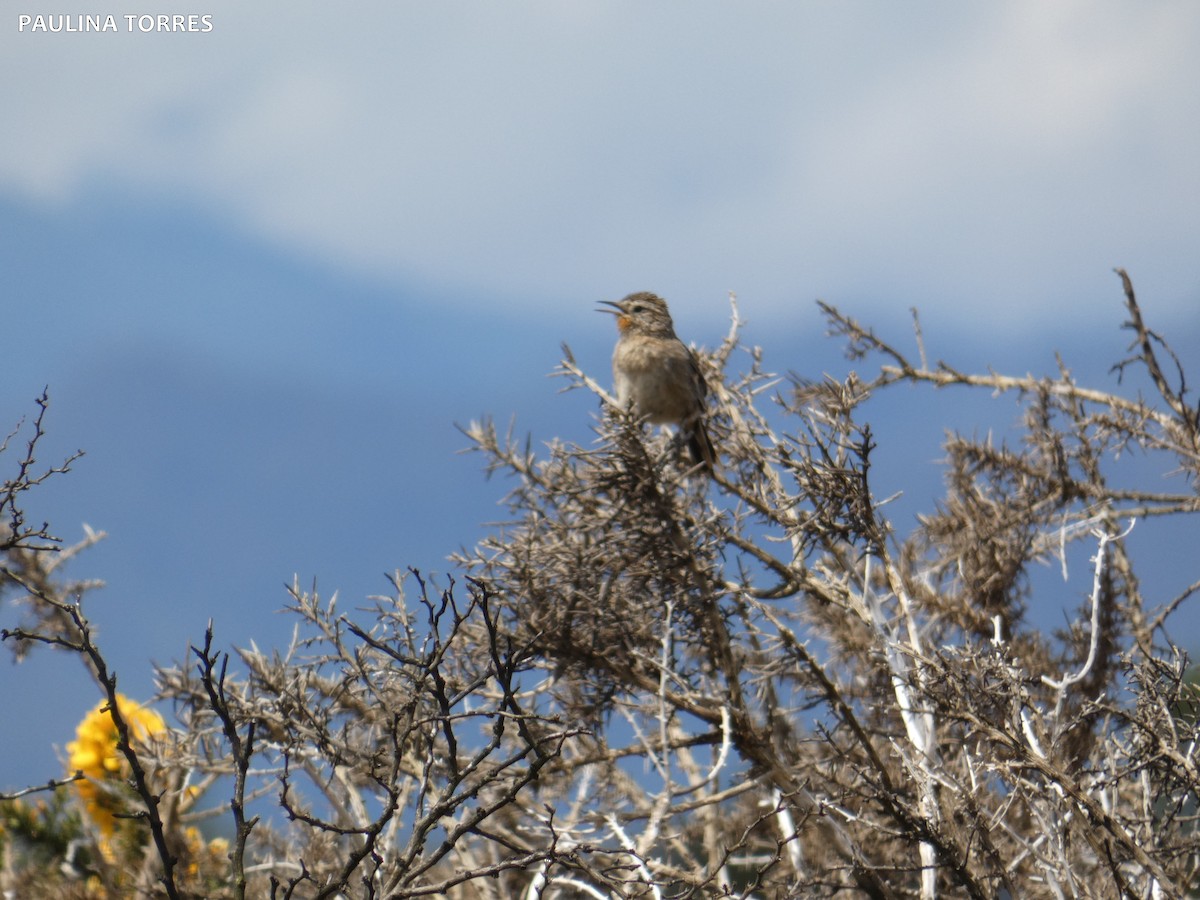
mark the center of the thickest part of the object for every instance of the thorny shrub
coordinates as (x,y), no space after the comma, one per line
(650,685)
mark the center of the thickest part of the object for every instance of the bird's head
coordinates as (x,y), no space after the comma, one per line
(642,313)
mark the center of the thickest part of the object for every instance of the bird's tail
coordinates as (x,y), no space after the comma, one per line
(700,448)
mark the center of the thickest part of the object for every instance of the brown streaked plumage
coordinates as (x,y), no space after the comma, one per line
(656,374)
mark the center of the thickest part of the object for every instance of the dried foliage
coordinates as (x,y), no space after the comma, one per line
(653,685)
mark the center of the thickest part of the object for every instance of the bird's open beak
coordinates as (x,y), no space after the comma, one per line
(616,307)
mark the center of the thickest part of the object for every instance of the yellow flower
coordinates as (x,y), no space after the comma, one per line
(94,752)
(202,860)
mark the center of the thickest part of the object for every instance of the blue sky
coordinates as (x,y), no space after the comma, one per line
(265,269)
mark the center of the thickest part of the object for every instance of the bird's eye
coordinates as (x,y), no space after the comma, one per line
(637,307)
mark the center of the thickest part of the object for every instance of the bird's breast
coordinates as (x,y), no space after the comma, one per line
(653,380)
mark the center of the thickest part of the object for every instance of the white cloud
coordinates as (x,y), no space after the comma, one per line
(548,149)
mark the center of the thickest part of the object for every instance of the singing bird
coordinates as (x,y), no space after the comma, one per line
(657,375)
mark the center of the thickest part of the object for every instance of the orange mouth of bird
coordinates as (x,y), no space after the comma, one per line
(623,321)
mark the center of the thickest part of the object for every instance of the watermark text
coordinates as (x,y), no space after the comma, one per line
(134,22)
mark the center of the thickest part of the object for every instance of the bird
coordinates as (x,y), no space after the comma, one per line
(656,375)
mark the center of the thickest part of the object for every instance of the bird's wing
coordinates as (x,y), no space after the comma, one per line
(698,373)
